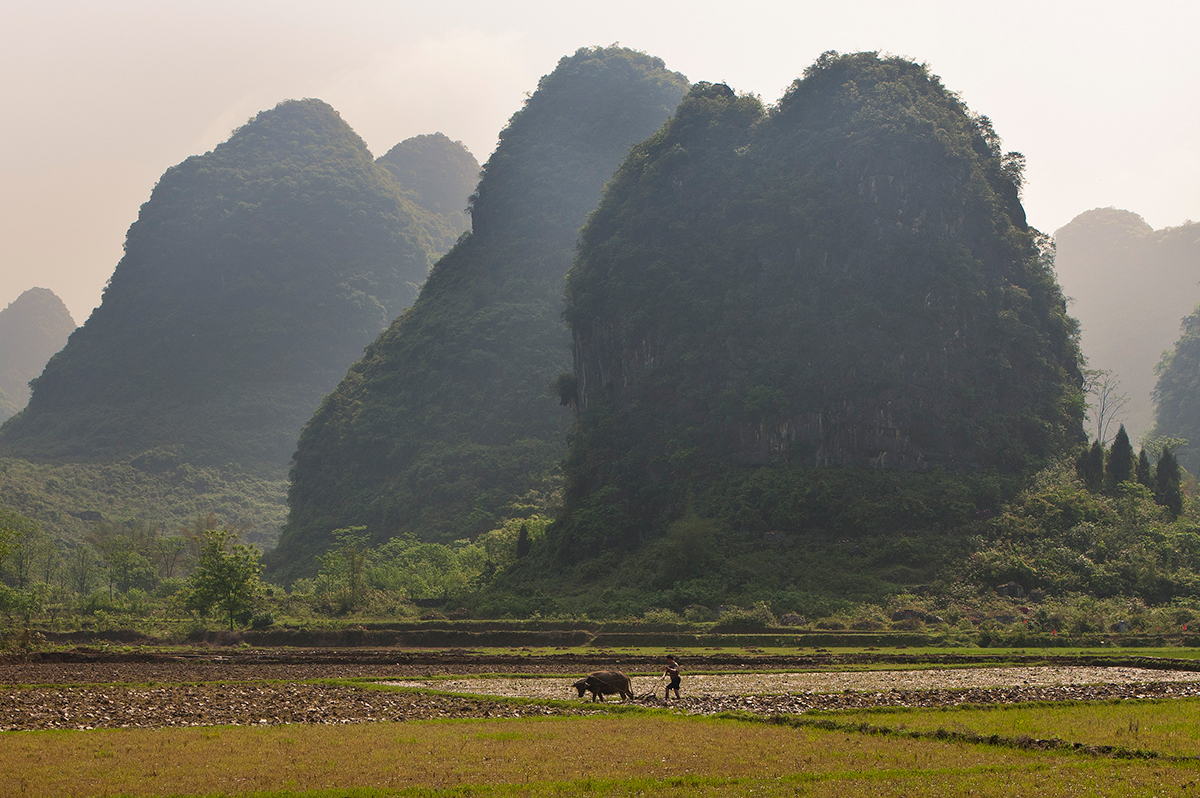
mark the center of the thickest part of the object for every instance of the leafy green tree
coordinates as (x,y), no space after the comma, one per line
(83,568)
(32,547)
(343,573)
(13,528)
(225,577)
(1167,490)
(1120,459)
(127,551)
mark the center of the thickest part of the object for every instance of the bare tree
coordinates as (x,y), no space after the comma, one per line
(1105,399)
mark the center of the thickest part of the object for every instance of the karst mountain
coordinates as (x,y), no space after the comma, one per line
(775,308)
(447,425)
(1130,286)
(33,327)
(253,277)
(440,176)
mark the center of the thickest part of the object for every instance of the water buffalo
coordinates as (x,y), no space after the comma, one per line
(602,683)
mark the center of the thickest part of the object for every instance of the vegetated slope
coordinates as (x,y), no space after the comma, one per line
(68,500)
(253,277)
(32,328)
(1130,286)
(448,418)
(783,318)
(440,174)
(1177,393)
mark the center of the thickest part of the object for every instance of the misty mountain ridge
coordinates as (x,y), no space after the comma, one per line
(441,175)
(252,278)
(1130,287)
(32,328)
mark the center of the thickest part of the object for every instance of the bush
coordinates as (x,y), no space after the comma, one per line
(737,619)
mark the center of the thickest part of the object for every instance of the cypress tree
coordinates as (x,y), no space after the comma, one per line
(1120,459)
(1167,491)
(523,542)
(1090,466)
(1142,471)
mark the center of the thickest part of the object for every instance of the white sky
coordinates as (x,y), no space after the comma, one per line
(97,99)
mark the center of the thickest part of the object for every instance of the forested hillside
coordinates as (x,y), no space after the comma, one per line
(440,174)
(252,278)
(1130,285)
(827,317)
(1177,393)
(447,425)
(32,328)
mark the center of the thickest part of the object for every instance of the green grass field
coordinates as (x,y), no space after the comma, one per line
(626,755)
(1168,728)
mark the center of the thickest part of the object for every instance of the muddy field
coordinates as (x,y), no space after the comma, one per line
(86,689)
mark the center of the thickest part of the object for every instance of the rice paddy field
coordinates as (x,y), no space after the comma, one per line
(431,723)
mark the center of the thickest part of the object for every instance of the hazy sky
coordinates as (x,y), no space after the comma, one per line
(99,98)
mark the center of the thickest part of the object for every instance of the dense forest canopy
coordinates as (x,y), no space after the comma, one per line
(252,278)
(1129,285)
(440,174)
(446,426)
(845,279)
(32,328)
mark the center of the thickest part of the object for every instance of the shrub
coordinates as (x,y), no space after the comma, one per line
(737,619)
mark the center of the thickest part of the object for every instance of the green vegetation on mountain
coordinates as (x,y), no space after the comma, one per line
(829,317)
(68,499)
(446,426)
(1177,392)
(252,278)
(1116,269)
(440,174)
(32,328)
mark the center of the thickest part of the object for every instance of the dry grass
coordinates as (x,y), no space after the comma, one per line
(591,756)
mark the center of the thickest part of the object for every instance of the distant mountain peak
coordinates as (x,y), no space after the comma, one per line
(33,327)
(252,278)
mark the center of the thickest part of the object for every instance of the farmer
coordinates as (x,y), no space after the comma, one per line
(671,672)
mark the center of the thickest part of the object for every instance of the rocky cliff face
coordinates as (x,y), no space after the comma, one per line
(251,280)
(847,278)
(32,328)
(447,426)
